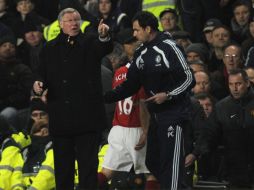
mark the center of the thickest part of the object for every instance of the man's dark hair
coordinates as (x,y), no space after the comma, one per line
(145,19)
(239,71)
(240,3)
(203,96)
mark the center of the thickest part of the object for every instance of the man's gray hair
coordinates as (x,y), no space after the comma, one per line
(64,11)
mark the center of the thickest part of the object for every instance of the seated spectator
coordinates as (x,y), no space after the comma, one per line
(240,20)
(250,73)
(28,51)
(168,20)
(26,14)
(208,28)
(15,81)
(6,17)
(249,42)
(182,38)
(220,38)
(112,16)
(197,51)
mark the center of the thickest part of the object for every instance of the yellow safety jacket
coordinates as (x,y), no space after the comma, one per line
(11,161)
(51,31)
(157,6)
(43,180)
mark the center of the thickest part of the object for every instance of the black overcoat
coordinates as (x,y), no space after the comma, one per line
(70,69)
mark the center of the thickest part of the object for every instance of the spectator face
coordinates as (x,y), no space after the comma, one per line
(250,73)
(2,6)
(202,83)
(25,7)
(104,7)
(242,14)
(141,34)
(197,67)
(168,21)
(231,58)
(207,105)
(251,28)
(70,23)
(193,56)
(220,37)
(237,86)
(208,37)
(130,48)
(7,50)
(183,42)
(33,38)
(37,115)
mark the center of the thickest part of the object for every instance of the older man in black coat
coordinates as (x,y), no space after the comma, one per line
(71,72)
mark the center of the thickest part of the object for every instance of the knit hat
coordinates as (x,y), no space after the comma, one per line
(198,48)
(29,27)
(38,104)
(7,38)
(125,36)
(211,24)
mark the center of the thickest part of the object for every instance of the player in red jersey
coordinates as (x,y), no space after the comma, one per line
(127,138)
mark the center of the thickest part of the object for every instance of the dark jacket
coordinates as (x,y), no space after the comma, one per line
(232,122)
(71,71)
(159,66)
(15,84)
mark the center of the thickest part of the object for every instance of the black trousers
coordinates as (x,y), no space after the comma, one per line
(165,152)
(83,148)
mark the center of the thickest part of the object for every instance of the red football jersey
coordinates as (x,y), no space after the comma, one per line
(127,110)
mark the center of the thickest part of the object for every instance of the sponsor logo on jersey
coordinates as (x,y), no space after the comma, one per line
(121,77)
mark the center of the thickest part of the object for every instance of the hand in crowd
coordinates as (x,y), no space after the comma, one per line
(103,29)
(38,87)
(189,159)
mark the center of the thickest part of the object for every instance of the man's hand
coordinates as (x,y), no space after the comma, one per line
(189,159)
(38,87)
(141,142)
(158,98)
(103,29)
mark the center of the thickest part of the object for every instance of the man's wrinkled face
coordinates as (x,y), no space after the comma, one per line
(70,23)
(7,50)
(237,86)
(207,105)
(202,83)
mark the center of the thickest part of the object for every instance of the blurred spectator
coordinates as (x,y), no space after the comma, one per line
(112,16)
(169,20)
(16,79)
(182,38)
(197,51)
(250,73)
(239,23)
(6,17)
(26,14)
(28,51)
(208,28)
(249,42)
(203,84)
(206,101)
(220,38)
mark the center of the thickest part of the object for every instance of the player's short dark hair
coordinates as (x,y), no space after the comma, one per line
(145,19)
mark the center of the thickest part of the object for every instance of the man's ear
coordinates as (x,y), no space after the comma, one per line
(148,29)
(44,131)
